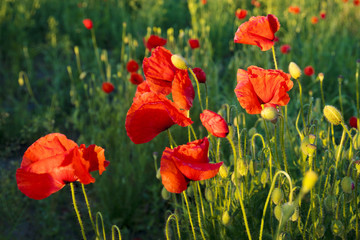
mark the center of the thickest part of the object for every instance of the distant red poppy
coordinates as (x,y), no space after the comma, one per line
(258,31)
(107,87)
(200,75)
(345,1)
(285,49)
(52,161)
(214,123)
(314,20)
(353,122)
(132,66)
(204,1)
(276,39)
(194,43)
(136,78)
(88,23)
(154,41)
(294,9)
(323,15)
(150,114)
(356,2)
(240,13)
(255,3)
(186,163)
(309,70)
(164,78)
(257,87)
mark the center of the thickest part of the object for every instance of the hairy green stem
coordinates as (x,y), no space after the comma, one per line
(77,210)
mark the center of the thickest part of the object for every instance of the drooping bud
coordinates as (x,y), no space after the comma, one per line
(225,219)
(309,181)
(332,115)
(270,114)
(179,62)
(337,227)
(158,175)
(320,230)
(294,70)
(264,177)
(165,194)
(223,171)
(242,167)
(321,77)
(209,194)
(347,184)
(277,212)
(277,195)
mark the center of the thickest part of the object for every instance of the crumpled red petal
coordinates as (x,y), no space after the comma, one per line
(214,123)
(183,92)
(197,171)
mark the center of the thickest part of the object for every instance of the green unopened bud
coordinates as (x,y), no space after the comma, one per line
(209,195)
(277,195)
(309,181)
(330,203)
(288,211)
(320,230)
(294,70)
(321,77)
(357,165)
(337,227)
(311,149)
(295,215)
(179,62)
(304,143)
(190,191)
(312,138)
(332,115)
(252,167)
(242,167)
(252,131)
(158,175)
(165,194)
(347,184)
(356,139)
(223,171)
(277,212)
(270,114)
(264,177)
(225,219)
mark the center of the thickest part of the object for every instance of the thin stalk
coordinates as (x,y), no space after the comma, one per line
(301,104)
(77,210)
(113,228)
(93,38)
(322,94)
(340,98)
(89,209)
(198,88)
(174,217)
(281,133)
(198,210)
(274,57)
(188,210)
(206,97)
(356,207)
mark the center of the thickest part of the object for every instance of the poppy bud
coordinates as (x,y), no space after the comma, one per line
(209,195)
(190,191)
(223,171)
(277,212)
(356,139)
(200,75)
(252,167)
(88,23)
(179,62)
(347,184)
(353,122)
(320,230)
(332,115)
(311,149)
(264,177)
(294,70)
(225,219)
(270,114)
(242,167)
(309,70)
(214,123)
(295,215)
(304,143)
(330,203)
(309,181)
(252,131)
(288,210)
(277,195)
(158,175)
(321,77)
(107,87)
(337,227)
(165,194)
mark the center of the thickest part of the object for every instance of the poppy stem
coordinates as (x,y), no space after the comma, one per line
(274,57)
(198,209)
(89,209)
(93,38)
(301,104)
(77,210)
(174,217)
(198,87)
(322,93)
(188,210)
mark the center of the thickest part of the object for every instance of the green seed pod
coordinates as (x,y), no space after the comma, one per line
(277,212)
(224,171)
(270,114)
(347,184)
(264,177)
(190,191)
(209,195)
(295,216)
(158,175)
(337,227)
(242,167)
(289,210)
(332,115)
(252,131)
(330,203)
(165,194)
(320,230)
(277,196)
(304,143)
(235,181)
(252,167)
(226,219)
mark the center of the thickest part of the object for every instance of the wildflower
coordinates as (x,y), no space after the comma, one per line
(240,13)
(294,9)
(353,122)
(52,161)
(314,20)
(132,66)
(136,78)
(154,41)
(258,31)
(186,163)
(150,114)
(285,49)
(345,1)
(200,75)
(356,2)
(194,43)
(214,123)
(107,87)
(294,70)
(322,15)
(332,115)
(257,87)
(164,78)
(203,2)
(88,23)
(309,70)
(255,3)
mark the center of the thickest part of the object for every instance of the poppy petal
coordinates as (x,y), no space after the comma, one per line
(214,123)
(197,171)
(195,151)
(182,90)
(95,155)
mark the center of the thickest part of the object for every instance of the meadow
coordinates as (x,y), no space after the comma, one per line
(293,175)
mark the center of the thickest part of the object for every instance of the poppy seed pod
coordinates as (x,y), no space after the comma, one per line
(337,228)
(225,219)
(179,62)
(330,203)
(347,184)
(332,115)
(277,195)
(294,70)
(223,171)
(277,212)
(214,123)
(270,114)
(165,194)
(309,181)
(289,211)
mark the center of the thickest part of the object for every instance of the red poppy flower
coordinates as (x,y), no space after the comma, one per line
(136,78)
(240,13)
(285,49)
(88,23)
(255,3)
(323,15)
(356,2)
(164,78)
(204,1)
(353,122)
(200,75)
(214,123)
(294,9)
(314,20)
(52,161)
(258,31)
(345,1)
(194,43)
(150,114)
(309,70)
(107,87)
(155,41)
(257,86)
(132,66)
(186,163)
